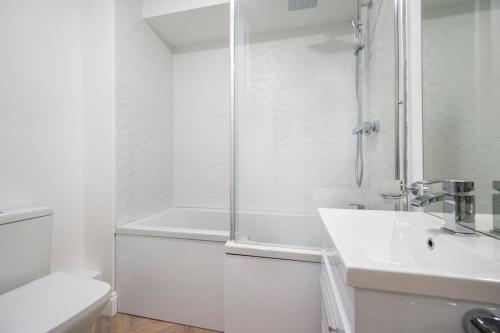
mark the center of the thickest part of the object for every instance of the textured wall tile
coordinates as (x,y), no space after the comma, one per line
(461,95)
(137,123)
(462,79)
(202,192)
(298,126)
(137,162)
(295,195)
(209,98)
(462,118)
(451,32)
(202,162)
(140,199)
(294,119)
(201,130)
(143,116)
(462,158)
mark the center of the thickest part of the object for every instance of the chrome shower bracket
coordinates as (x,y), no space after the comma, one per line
(358,35)
(367,128)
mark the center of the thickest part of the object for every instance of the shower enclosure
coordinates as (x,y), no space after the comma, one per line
(306,76)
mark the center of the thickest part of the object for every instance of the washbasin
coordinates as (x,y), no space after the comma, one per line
(408,252)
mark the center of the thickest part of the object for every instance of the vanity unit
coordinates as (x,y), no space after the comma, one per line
(393,272)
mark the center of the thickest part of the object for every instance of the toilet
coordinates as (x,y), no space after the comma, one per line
(33,300)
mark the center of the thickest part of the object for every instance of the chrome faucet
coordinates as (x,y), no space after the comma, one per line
(459,204)
(357,206)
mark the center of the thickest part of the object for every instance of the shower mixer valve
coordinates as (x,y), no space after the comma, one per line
(366,127)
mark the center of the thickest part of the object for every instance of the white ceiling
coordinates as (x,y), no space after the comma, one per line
(193,26)
(211,23)
(265,16)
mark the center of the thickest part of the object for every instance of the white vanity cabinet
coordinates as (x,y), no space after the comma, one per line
(381,277)
(357,310)
(336,298)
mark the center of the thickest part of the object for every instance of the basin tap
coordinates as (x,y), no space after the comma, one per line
(459,204)
(427,199)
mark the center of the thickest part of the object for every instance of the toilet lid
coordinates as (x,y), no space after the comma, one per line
(47,304)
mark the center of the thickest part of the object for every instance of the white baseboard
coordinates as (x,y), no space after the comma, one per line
(112,307)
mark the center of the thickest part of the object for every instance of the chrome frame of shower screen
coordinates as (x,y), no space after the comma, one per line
(401,141)
(401,100)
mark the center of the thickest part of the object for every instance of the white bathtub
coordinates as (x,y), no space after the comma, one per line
(294,232)
(186,223)
(274,268)
(170,266)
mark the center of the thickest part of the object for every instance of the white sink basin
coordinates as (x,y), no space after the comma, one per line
(407,252)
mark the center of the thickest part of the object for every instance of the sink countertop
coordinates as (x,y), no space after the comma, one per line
(387,250)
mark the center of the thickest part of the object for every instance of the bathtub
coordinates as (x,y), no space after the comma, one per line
(170,266)
(274,267)
(290,236)
(183,223)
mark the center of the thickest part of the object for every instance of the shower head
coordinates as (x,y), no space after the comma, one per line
(302,4)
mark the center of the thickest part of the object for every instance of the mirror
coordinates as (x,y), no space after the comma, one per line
(461,100)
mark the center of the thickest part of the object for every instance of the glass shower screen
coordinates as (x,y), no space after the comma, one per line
(294,110)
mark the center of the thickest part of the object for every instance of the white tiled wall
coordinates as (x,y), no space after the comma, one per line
(172,122)
(295,115)
(295,109)
(144,148)
(461,64)
(201,128)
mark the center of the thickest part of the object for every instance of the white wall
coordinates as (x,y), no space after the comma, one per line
(461,81)
(98,135)
(295,110)
(201,127)
(143,116)
(41,117)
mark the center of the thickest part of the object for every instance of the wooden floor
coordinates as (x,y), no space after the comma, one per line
(123,323)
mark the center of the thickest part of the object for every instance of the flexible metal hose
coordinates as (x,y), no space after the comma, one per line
(359,160)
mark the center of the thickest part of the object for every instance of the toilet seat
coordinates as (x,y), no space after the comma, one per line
(51,304)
